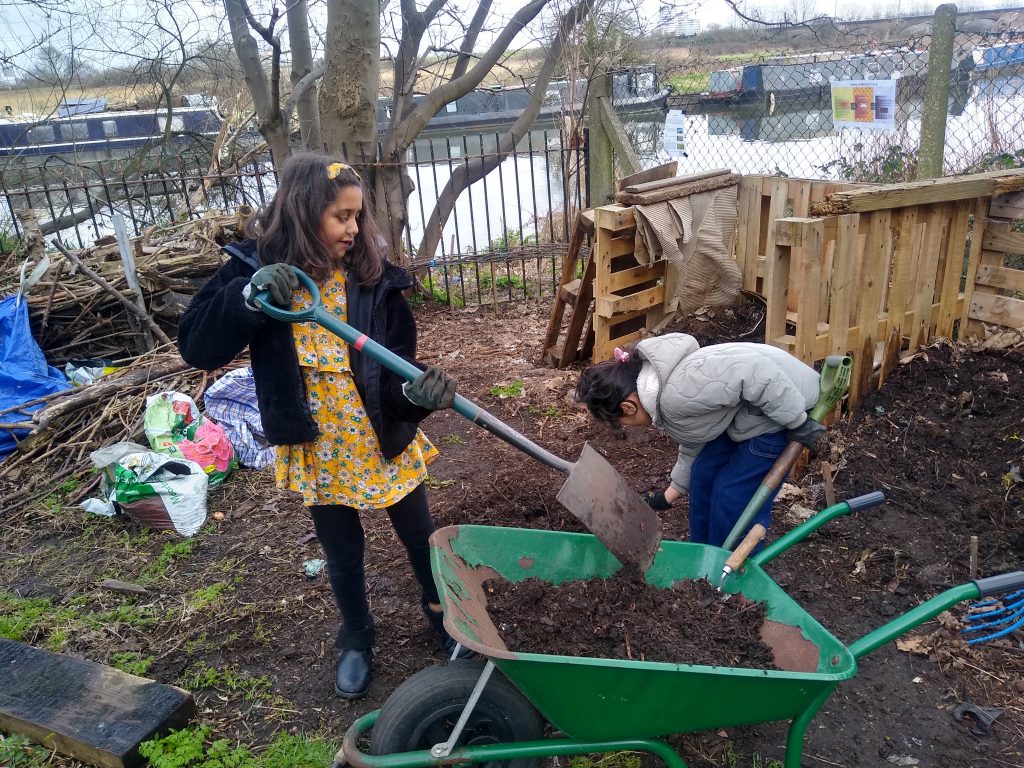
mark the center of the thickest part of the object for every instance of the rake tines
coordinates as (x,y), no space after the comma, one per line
(1009,616)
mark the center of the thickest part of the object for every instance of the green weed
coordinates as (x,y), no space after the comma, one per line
(22,618)
(171,552)
(417,300)
(550,412)
(8,242)
(231,679)
(690,82)
(512,389)
(192,748)
(609,760)
(16,751)
(19,616)
(131,662)
(297,751)
(511,239)
(435,482)
(503,283)
(452,439)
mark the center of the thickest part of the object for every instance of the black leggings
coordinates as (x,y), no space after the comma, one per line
(341,536)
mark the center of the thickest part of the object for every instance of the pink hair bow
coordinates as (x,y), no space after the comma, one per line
(621,355)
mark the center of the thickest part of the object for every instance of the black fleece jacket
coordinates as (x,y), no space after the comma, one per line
(218,325)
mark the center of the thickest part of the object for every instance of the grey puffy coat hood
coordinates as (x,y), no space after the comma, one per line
(694,394)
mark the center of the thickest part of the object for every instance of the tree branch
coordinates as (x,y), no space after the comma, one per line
(469,41)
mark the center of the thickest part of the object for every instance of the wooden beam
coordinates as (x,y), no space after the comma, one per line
(997,310)
(776,267)
(844,290)
(649,186)
(899,290)
(658,172)
(806,266)
(748,222)
(88,711)
(614,218)
(1004,278)
(609,306)
(621,144)
(789,230)
(1002,238)
(627,278)
(874,281)
(1009,205)
(940,190)
(954,265)
(978,231)
(678,190)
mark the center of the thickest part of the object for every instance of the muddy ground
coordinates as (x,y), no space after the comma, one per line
(944,440)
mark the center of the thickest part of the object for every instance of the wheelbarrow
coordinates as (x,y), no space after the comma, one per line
(494,710)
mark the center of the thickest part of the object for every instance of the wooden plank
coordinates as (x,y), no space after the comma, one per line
(1004,278)
(936,224)
(607,306)
(806,263)
(1009,205)
(616,133)
(748,220)
(989,260)
(979,229)
(579,316)
(1002,238)
(648,186)
(776,267)
(666,171)
(998,310)
(899,290)
(89,711)
(628,278)
(949,289)
(621,246)
(569,262)
(843,288)
(801,195)
(874,278)
(677,191)
(570,291)
(948,189)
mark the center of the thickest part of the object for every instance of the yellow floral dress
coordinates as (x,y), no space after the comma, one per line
(344,465)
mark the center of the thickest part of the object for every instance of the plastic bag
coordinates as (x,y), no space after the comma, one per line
(81,372)
(175,427)
(159,491)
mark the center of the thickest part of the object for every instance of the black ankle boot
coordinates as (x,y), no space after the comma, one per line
(448,643)
(352,679)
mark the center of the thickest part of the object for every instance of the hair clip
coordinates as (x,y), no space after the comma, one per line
(335,169)
(621,355)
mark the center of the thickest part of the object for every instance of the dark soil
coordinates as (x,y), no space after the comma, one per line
(623,617)
(942,439)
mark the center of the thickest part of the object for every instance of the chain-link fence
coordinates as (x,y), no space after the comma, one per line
(771,111)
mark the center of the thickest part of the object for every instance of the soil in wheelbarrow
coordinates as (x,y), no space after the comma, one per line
(623,617)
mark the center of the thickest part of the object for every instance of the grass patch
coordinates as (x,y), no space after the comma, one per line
(435,482)
(512,389)
(28,619)
(131,662)
(195,748)
(207,596)
(297,751)
(452,439)
(231,680)
(690,82)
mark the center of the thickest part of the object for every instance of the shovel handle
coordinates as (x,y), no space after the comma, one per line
(742,552)
(399,365)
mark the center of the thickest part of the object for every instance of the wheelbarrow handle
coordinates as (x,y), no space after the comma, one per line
(358,340)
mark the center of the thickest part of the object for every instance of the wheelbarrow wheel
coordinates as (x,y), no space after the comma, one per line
(423,711)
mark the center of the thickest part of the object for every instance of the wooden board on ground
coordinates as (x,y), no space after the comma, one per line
(86,710)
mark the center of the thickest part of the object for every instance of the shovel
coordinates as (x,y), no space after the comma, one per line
(594,492)
(834,381)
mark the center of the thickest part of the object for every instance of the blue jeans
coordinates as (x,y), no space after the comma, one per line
(723,479)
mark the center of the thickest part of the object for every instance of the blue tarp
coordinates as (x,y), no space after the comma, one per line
(86,106)
(24,373)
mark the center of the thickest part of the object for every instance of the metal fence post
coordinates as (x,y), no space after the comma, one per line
(601,167)
(936,99)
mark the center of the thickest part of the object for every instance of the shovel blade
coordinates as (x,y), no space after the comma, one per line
(610,509)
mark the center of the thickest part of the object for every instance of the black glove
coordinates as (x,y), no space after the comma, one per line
(279,279)
(656,500)
(433,389)
(807,433)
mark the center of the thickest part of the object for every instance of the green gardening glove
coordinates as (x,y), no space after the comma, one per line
(279,279)
(433,389)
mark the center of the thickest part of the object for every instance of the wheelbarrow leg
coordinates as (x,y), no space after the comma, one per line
(795,739)
(349,754)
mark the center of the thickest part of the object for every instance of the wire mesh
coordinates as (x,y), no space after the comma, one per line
(771,111)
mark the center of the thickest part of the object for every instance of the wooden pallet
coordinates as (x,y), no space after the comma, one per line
(627,294)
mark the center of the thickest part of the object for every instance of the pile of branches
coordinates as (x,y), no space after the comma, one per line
(83,306)
(70,424)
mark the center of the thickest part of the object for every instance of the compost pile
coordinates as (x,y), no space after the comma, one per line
(623,617)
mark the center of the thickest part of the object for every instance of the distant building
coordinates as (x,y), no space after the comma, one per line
(675,22)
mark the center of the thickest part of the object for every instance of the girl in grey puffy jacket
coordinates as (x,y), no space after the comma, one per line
(732,408)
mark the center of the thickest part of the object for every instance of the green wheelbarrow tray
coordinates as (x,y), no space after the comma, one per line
(602,705)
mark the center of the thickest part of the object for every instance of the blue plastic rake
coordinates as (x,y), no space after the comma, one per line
(1010,615)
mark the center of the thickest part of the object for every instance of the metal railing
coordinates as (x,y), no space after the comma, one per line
(503,240)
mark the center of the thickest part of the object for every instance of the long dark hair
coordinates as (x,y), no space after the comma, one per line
(604,386)
(288,229)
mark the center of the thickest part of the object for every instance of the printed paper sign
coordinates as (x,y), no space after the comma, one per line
(672,137)
(869,104)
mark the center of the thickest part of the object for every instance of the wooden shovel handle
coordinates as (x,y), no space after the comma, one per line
(742,552)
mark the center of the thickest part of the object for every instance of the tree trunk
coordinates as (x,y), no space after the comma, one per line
(302,64)
(268,112)
(466,174)
(348,94)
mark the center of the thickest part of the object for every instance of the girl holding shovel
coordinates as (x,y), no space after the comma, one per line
(345,427)
(731,407)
